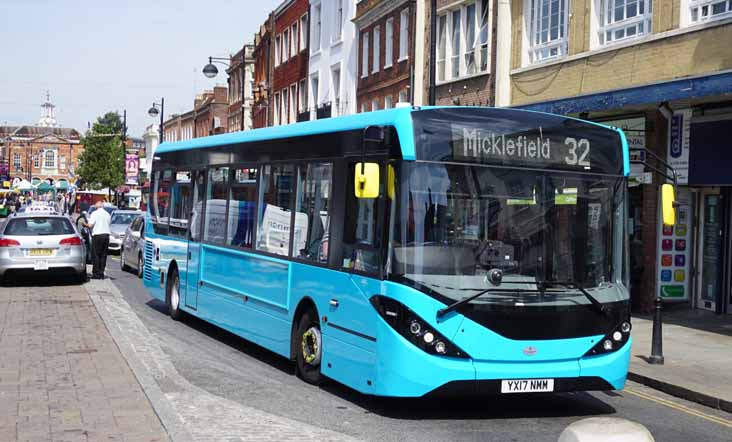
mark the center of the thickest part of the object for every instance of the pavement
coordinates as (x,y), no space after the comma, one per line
(697,350)
(62,378)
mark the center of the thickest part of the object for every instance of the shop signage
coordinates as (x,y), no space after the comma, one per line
(132,168)
(678,146)
(673,254)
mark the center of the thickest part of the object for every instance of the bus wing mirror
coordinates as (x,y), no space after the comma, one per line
(668,204)
(366,180)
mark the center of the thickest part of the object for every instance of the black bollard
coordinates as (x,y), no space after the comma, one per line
(657,339)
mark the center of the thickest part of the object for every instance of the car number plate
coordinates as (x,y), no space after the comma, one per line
(40,264)
(40,252)
(527,385)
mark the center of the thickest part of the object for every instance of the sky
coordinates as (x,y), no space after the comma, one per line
(98,56)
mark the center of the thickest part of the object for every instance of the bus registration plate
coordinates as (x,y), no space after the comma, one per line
(527,385)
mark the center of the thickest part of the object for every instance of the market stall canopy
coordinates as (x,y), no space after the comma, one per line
(62,185)
(23,185)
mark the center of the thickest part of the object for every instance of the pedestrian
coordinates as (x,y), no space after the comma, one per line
(99,221)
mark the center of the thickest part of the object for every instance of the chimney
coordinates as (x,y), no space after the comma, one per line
(221,94)
(197,102)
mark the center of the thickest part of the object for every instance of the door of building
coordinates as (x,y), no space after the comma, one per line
(710,250)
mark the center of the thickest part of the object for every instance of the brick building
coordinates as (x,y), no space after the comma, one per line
(289,78)
(44,151)
(263,66)
(386,53)
(209,117)
(240,89)
(664,75)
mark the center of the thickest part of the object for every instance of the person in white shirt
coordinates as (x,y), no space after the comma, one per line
(99,222)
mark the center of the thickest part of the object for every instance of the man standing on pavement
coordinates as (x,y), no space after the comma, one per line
(99,221)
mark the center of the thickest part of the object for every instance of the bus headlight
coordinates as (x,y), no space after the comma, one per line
(414,329)
(613,341)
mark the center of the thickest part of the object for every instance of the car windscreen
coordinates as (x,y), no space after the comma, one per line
(39,226)
(123,218)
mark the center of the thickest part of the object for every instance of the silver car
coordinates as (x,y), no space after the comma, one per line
(121,219)
(41,243)
(133,246)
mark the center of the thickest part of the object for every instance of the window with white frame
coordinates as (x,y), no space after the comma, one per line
(293,39)
(16,160)
(388,102)
(317,27)
(303,96)
(62,162)
(403,34)
(277,109)
(547,29)
(293,103)
(285,45)
(49,159)
(364,108)
(365,55)
(278,50)
(377,49)
(484,34)
(469,24)
(335,78)
(403,96)
(338,24)
(701,11)
(623,19)
(315,89)
(303,40)
(463,38)
(285,106)
(36,161)
(441,47)
(455,25)
(374,104)
(388,42)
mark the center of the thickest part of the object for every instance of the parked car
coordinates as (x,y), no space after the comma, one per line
(121,219)
(133,246)
(41,243)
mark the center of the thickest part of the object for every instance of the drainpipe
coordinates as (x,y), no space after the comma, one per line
(503,54)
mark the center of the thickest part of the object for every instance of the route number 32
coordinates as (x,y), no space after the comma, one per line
(578,152)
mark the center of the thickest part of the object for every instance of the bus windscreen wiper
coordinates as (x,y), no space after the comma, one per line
(597,305)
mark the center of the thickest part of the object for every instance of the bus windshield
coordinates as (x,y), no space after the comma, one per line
(455,222)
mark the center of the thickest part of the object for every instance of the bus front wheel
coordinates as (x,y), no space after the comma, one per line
(173,295)
(309,348)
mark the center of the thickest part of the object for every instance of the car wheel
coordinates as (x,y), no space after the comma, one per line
(309,348)
(122,261)
(173,297)
(140,266)
(82,277)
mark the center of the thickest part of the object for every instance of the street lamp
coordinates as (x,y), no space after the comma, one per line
(210,71)
(153,112)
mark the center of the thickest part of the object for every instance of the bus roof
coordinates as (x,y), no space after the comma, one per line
(400,118)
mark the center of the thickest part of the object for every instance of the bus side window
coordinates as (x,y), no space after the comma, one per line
(161,200)
(312,217)
(242,207)
(180,203)
(277,183)
(214,223)
(360,242)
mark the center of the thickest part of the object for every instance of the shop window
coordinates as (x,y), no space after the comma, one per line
(312,212)
(275,215)
(624,19)
(547,23)
(214,224)
(242,207)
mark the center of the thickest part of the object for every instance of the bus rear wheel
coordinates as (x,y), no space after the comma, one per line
(309,348)
(173,296)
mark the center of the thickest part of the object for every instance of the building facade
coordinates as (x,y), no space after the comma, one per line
(385,53)
(664,74)
(263,67)
(208,117)
(290,73)
(41,152)
(333,58)
(241,78)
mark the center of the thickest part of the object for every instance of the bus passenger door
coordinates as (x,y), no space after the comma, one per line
(194,240)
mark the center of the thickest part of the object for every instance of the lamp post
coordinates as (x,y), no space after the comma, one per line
(210,71)
(153,112)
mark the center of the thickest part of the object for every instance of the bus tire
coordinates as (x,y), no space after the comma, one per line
(309,348)
(173,295)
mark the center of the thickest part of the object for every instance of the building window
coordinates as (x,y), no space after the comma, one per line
(706,10)
(293,103)
(623,19)
(293,39)
(338,25)
(374,104)
(303,41)
(36,161)
(441,47)
(365,55)
(455,45)
(547,29)
(403,34)
(317,27)
(403,97)
(278,51)
(363,108)
(62,162)
(303,99)
(388,102)
(16,160)
(314,90)
(285,45)
(276,109)
(285,107)
(377,49)
(49,159)
(335,76)
(388,43)
(484,35)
